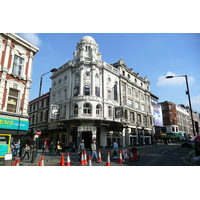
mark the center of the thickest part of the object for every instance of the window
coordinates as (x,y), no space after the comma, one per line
(12,100)
(126,114)
(142,107)
(129,91)
(87,108)
(76,109)
(115,92)
(136,94)
(132,117)
(64,111)
(109,111)
(130,103)
(17,66)
(170,106)
(65,94)
(136,105)
(98,110)
(87,89)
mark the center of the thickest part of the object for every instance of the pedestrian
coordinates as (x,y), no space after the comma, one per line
(72,147)
(27,151)
(51,148)
(94,150)
(16,148)
(44,147)
(58,148)
(81,148)
(116,149)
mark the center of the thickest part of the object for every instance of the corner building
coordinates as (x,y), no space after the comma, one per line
(16,60)
(99,100)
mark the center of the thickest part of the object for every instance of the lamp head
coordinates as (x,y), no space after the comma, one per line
(169,76)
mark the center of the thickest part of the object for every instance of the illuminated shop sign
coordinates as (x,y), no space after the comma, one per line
(15,124)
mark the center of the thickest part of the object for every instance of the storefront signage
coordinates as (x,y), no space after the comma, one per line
(6,123)
(55,111)
(119,112)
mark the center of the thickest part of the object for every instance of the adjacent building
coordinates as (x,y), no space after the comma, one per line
(16,59)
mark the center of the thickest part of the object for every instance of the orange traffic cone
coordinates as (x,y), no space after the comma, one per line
(82,159)
(17,162)
(42,159)
(99,156)
(40,163)
(68,160)
(108,159)
(131,156)
(89,161)
(62,160)
(120,157)
(85,157)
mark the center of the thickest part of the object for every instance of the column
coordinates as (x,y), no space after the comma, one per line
(8,46)
(81,81)
(103,137)
(30,61)
(93,80)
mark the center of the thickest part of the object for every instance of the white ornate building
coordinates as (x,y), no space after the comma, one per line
(99,100)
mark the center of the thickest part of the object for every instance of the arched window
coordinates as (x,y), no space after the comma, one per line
(75,109)
(98,110)
(87,109)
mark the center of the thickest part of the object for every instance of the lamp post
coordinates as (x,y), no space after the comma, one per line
(36,127)
(188,93)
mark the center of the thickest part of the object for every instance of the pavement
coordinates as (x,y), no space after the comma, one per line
(51,160)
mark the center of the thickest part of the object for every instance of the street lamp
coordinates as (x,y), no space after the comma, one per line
(188,93)
(36,127)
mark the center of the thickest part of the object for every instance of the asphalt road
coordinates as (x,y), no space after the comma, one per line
(163,155)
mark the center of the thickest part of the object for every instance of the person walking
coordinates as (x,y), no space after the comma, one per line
(94,150)
(44,147)
(115,147)
(81,148)
(27,151)
(58,148)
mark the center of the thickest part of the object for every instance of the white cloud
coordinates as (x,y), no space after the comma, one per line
(163,81)
(32,37)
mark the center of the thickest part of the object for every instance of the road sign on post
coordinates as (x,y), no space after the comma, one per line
(38,132)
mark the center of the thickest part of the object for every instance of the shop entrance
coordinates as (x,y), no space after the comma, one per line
(87,137)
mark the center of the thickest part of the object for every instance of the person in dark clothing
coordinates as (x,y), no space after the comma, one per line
(27,152)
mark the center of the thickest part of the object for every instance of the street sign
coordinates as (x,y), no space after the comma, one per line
(38,132)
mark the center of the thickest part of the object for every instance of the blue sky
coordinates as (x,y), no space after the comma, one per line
(154,55)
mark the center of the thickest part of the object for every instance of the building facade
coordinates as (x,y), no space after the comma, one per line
(99,100)
(16,58)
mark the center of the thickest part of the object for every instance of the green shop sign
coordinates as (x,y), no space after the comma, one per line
(15,124)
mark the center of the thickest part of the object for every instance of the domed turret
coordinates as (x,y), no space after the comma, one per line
(87,39)
(87,51)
